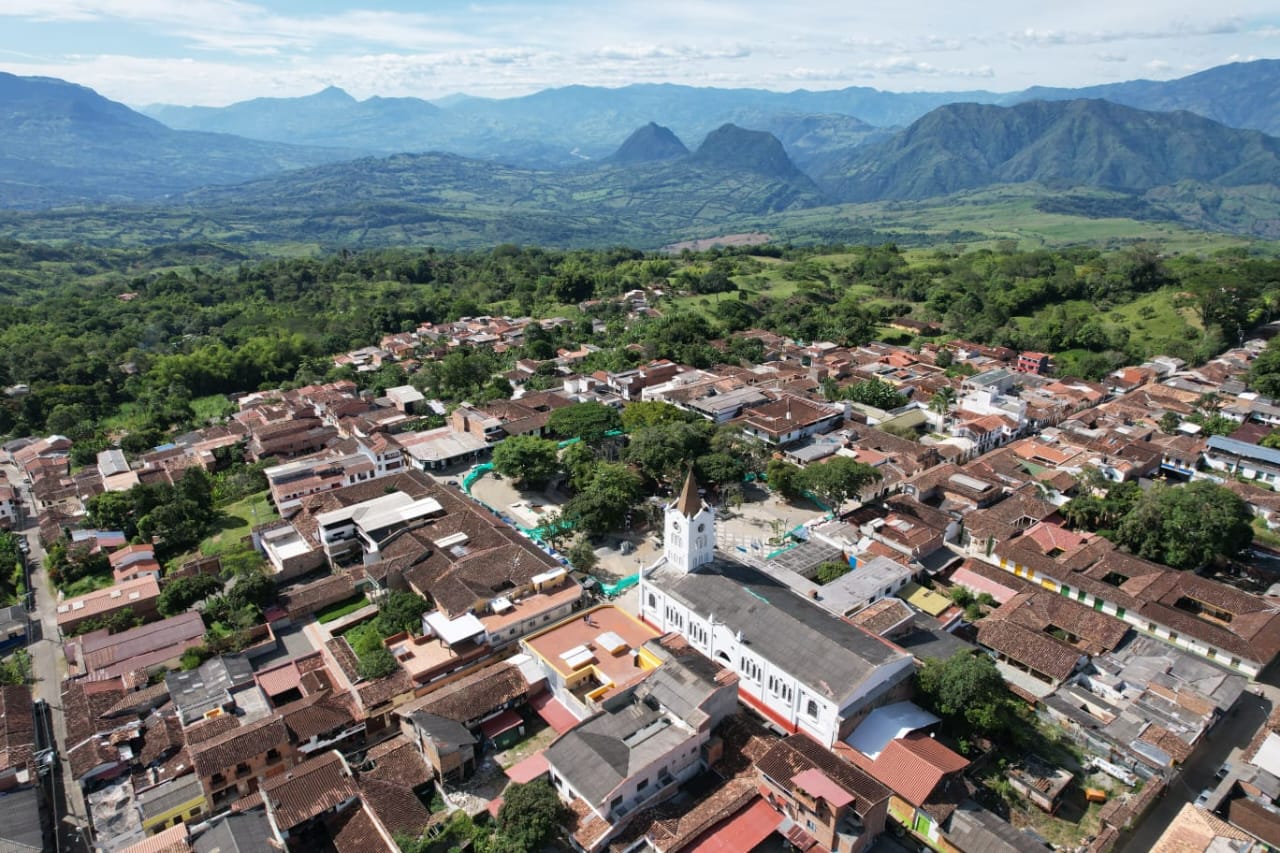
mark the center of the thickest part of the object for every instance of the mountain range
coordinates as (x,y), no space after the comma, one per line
(64,144)
(563,126)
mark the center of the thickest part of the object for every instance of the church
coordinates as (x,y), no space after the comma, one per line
(798,665)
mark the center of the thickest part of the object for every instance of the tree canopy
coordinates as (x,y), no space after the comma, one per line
(531,814)
(602,503)
(527,459)
(967,691)
(587,421)
(1188,526)
(837,480)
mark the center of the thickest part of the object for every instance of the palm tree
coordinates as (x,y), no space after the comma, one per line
(942,402)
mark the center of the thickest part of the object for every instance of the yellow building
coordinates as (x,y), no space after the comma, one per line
(170,803)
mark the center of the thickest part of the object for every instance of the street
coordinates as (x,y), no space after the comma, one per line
(1232,732)
(48,666)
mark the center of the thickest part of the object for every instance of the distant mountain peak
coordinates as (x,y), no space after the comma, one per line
(648,144)
(333,93)
(733,147)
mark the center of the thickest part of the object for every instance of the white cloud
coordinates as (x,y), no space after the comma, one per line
(217,51)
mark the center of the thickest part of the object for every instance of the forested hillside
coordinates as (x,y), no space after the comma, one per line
(113,342)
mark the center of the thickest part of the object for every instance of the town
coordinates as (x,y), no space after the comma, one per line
(883,597)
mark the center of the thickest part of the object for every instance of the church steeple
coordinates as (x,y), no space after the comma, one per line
(690,530)
(689,502)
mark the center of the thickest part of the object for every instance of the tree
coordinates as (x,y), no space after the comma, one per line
(377,663)
(402,611)
(16,669)
(1097,513)
(664,452)
(837,480)
(876,393)
(583,556)
(967,691)
(827,572)
(1169,423)
(530,815)
(647,413)
(720,469)
(180,593)
(942,401)
(1189,526)
(252,589)
(579,460)
(784,478)
(587,421)
(602,504)
(527,459)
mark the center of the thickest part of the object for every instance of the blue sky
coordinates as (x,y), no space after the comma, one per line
(219,51)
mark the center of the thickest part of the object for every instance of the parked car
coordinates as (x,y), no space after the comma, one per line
(1203,800)
(1223,771)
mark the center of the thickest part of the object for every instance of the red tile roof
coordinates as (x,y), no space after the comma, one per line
(744,831)
(813,781)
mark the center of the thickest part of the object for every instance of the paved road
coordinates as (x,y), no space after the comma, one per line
(1232,733)
(48,664)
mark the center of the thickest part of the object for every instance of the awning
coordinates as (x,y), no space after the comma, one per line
(743,831)
(529,769)
(557,715)
(504,722)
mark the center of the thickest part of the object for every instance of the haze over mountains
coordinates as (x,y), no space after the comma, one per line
(584,165)
(560,126)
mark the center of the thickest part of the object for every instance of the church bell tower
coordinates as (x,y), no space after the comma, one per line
(690,530)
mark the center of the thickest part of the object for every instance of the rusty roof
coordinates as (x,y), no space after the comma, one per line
(309,789)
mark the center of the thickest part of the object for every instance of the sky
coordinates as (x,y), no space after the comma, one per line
(216,52)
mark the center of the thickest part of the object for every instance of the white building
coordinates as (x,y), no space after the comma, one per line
(799,665)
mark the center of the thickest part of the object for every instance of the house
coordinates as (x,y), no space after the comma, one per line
(171,803)
(135,561)
(1197,830)
(1033,362)
(303,795)
(139,595)
(1040,782)
(787,419)
(645,742)
(221,685)
(447,746)
(17,737)
(827,801)
(1252,461)
(236,763)
(9,507)
(592,655)
(488,694)
(798,664)
(147,648)
(14,625)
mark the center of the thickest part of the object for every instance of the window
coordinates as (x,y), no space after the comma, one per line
(615,802)
(653,602)
(273,755)
(812,709)
(242,769)
(644,783)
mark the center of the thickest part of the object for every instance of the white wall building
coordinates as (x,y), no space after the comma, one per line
(801,666)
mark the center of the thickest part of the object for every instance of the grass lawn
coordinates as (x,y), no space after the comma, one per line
(341,608)
(236,521)
(211,407)
(1265,536)
(88,584)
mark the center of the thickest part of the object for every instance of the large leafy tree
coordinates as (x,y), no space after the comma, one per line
(527,459)
(967,691)
(530,816)
(1189,526)
(663,452)
(602,503)
(877,393)
(647,413)
(587,421)
(837,480)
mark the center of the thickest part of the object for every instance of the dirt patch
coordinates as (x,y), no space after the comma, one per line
(750,238)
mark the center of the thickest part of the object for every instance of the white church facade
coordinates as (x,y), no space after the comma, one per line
(797,664)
